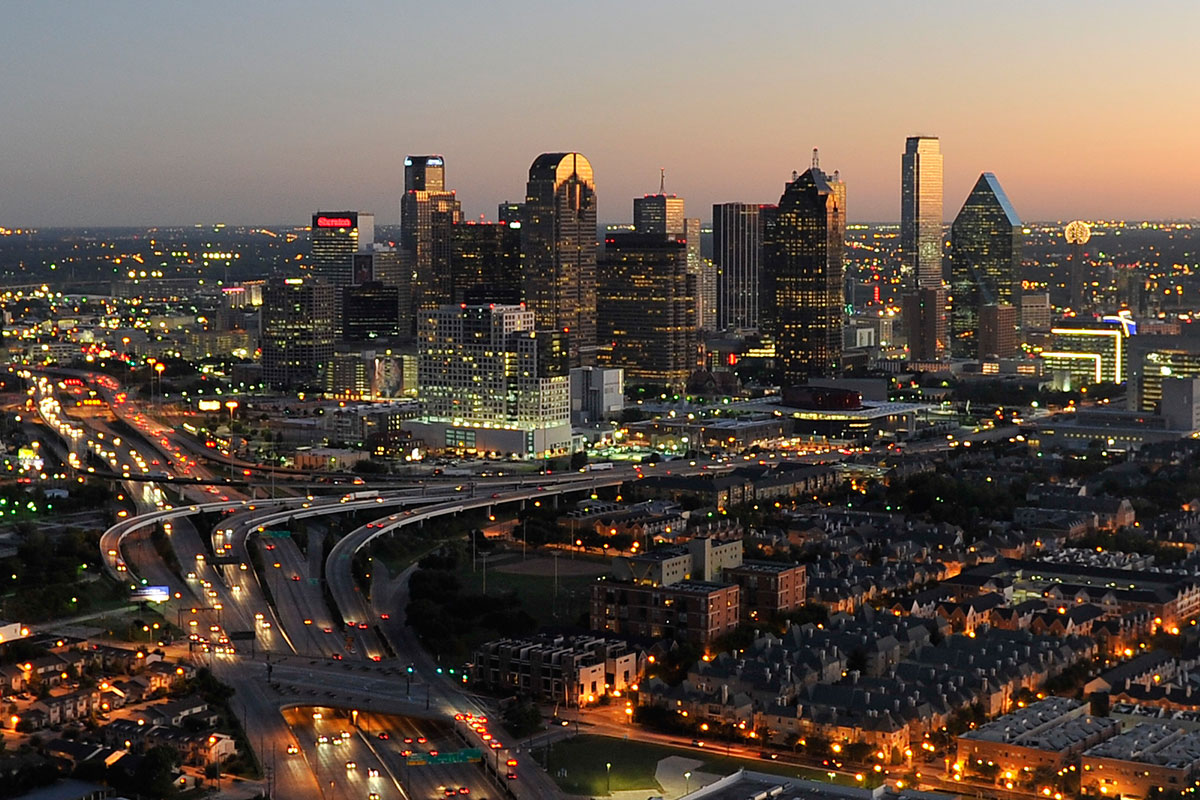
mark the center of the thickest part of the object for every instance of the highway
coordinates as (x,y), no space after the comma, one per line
(248,574)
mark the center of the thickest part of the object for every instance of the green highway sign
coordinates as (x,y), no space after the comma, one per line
(468,756)
(277,534)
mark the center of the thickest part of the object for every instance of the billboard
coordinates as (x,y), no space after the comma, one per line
(152,594)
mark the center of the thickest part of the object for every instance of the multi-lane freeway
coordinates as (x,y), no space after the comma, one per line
(256,607)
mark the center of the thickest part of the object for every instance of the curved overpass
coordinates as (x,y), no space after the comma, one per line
(338,567)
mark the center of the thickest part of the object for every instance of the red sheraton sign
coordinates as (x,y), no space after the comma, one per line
(334,222)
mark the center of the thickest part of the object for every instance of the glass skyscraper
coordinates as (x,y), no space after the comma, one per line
(804,259)
(737,251)
(646,302)
(924,301)
(428,213)
(921,210)
(985,260)
(558,250)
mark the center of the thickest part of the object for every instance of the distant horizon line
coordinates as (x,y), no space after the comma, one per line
(23,229)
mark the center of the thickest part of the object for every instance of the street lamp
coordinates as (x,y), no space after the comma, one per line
(687,785)
(608,774)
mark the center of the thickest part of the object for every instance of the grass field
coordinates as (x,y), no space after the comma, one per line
(634,763)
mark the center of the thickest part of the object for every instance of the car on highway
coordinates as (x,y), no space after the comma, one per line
(292,749)
(351,765)
(385,735)
(373,796)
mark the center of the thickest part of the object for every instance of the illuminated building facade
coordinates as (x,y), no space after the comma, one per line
(804,256)
(558,250)
(490,383)
(924,304)
(485,263)
(1155,359)
(336,237)
(985,257)
(299,320)
(706,277)
(1094,354)
(737,255)
(428,214)
(646,301)
(921,210)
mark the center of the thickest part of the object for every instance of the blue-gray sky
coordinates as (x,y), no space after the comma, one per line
(130,113)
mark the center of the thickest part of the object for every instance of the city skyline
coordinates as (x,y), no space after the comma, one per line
(146,115)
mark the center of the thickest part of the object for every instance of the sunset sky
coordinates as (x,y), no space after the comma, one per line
(127,113)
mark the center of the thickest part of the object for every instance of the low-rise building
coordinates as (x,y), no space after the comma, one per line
(1150,757)
(695,611)
(575,671)
(1049,734)
(768,588)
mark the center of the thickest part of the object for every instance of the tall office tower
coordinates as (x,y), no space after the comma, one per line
(382,264)
(646,307)
(558,250)
(490,383)
(804,261)
(706,277)
(299,319)
(485,263)
(924,302)
(737,254)
(427,214)
(658,213)
(370,310)
(921,210)
(985,261)
(336,237)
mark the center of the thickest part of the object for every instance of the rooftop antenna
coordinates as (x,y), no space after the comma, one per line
(816,162)
(662,180)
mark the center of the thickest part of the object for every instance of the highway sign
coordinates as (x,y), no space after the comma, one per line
(241,636)
(467,756)
(277,534)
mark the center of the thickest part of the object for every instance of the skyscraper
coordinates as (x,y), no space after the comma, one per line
(646,307)
(706,277)
(370,310)
(921,210)
(924,302)
(485,263)
(737,250)
(558,250)
(299,319)
(427,214)
(336,237)
(804,260)
(985,260)
(658,213)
